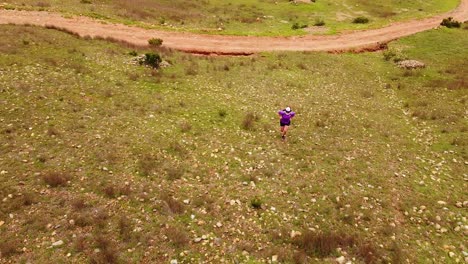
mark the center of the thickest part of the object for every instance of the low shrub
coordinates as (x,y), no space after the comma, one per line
(185,126)
(125,228)
(450,23)
(152,60)
(323,244)
(222,112)
(173,205)
(155,42)
(175,172)
(177,236)
(296,26)
(319,22)
(361,20)
(249,121)
(108,251)
(256,203)
(55,179)
(9,248)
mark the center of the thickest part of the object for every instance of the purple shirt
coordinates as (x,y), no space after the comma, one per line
(286,117)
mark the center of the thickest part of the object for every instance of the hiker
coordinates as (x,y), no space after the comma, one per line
(285,120)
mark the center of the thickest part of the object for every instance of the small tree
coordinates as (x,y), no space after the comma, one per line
(152,59)
(156,42)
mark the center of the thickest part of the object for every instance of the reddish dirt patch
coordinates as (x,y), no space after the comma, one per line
(366,40)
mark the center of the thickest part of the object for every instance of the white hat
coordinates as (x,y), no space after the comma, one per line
(288,109)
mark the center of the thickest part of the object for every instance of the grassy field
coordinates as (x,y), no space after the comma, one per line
(244,17)
(104,161)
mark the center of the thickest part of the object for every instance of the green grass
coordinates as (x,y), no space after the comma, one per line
(244,17)
(161,146)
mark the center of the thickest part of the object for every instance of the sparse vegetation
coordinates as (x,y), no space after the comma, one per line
(55,179)
(450,23)
(155,42)
(297,26)
(241,18)
(319,22)
(152,60)
(249,120)
(256,203)
(361,20)
(371,164)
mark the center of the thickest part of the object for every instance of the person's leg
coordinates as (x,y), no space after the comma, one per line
(285,130)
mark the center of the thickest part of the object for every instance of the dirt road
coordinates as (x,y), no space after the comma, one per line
(198,43)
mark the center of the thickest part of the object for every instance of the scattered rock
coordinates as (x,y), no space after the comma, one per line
(442,202)
(174,261)
(57,243)
(274,258)
(164,64)
(295,234)
(2,223)
(411,64)
(340,260)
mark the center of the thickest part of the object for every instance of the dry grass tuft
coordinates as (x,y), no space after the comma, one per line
(55,179)
(300,257)
(113,191)
(108,251)
(177,236)
(9,248)
(125,228)
(147,164)
(249,121)
(323,244)
(79,245)
(174,206)
(368,253)
(78,204)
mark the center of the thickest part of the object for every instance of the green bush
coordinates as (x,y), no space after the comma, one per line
(319,22)
(152,59)
(389,54)
(450,23)
(296,26)
(156,42)
(393,55)
(256,203)
(361,20)
(133,53)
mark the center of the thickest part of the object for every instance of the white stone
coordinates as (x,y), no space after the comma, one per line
(174,261)
(340,260)
(274,258)
(295,234)
(57,244)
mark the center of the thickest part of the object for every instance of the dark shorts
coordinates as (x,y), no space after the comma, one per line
(285,124)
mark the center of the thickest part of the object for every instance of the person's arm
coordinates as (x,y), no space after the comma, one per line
(280,114)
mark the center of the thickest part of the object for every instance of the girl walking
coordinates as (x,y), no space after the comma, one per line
(285,120)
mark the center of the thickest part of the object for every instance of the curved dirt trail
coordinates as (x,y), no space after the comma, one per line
(234,45)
